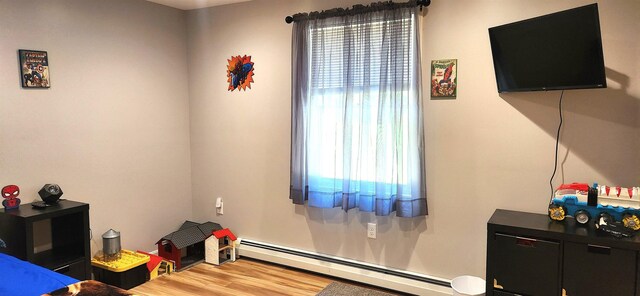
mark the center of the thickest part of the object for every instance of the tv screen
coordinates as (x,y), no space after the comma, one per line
(562,50)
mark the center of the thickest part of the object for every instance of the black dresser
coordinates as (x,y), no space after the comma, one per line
(67,226)
(529,254)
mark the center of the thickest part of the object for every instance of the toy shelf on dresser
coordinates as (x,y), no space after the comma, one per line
(65,228)
(529,254)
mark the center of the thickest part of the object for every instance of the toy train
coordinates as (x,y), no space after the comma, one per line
(584,203)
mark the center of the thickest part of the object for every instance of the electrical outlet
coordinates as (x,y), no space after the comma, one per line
(220,209)
(219,206)
(372,229)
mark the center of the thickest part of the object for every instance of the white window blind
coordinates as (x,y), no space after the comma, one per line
(355,52)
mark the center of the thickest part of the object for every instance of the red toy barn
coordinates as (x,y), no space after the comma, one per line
(185,246)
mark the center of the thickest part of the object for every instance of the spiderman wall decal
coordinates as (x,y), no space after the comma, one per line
(240,72)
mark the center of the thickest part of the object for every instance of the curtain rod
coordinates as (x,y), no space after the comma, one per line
(356,9)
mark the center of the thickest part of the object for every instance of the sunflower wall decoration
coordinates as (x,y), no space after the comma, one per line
(240,72)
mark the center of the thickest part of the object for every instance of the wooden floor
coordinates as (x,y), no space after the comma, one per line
(242,277)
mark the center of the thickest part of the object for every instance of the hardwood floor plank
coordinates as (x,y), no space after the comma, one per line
(243,277)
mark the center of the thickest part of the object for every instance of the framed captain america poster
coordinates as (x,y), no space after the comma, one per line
(34,68)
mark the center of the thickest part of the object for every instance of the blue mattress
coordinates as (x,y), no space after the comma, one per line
(21,278)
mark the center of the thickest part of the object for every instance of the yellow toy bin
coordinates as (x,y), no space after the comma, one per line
(126,272)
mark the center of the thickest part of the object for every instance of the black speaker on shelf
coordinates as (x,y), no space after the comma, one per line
(50,193)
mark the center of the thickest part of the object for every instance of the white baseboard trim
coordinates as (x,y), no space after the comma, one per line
(376,275)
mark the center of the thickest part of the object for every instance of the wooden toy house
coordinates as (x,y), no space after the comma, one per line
(220,247)
(185,246)
(157,265)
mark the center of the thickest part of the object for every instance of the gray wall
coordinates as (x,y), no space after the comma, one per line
(113,129)
(484,150)
(139,123)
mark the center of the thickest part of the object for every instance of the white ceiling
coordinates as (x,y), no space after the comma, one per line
(195,4)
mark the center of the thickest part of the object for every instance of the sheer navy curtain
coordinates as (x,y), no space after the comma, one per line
(357,136)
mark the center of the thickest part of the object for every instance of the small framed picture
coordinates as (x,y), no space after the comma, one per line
(444,78)
(34,68)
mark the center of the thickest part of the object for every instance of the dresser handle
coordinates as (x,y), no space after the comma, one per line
(62,269)
(598,249)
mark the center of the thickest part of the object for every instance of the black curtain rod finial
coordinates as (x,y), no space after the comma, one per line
(422,3)
(288,19)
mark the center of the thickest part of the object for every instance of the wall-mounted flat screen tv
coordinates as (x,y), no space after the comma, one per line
(562,50)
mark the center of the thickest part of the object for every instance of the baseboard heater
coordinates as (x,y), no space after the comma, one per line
(399,280)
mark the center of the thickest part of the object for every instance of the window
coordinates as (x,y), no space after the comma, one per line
(357,139)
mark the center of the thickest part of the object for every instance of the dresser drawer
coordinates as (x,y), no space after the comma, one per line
(598,270)
(76,270)
(526,265)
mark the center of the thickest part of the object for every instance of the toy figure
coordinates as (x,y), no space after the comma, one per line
(10,194)
(606,224)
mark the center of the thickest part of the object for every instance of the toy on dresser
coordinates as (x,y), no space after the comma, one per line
(616,209)
(10,194)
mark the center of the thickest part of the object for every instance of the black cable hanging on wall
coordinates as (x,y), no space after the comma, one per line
(355,9)
(555,163)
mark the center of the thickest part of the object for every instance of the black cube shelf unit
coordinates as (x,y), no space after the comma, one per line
(529,254)
(69,253)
